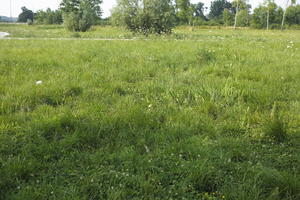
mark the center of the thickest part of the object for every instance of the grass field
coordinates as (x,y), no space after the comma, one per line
(202,114)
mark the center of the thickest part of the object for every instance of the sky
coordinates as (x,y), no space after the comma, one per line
(54,4)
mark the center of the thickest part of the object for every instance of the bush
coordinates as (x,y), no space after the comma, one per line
(29,22)
(80,15)
(275,26)
(145,16)
(73,22)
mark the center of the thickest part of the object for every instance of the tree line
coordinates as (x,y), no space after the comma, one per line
(160,16)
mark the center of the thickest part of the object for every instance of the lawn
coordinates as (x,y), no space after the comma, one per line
(205,114)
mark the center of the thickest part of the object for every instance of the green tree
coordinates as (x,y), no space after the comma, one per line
(267,15)
(199,10)
(271,10)
(242,10)
(293,15)
(217,8)
(48,17)
(227,17)
(284,13)
(80,15)
(183,11)
(145,16)
(25,15)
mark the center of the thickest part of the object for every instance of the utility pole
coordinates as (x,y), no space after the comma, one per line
(10,11)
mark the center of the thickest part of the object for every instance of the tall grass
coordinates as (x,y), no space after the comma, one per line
(152,119)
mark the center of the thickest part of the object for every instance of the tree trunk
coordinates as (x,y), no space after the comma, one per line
(284,13)
(268,18)
(236,15)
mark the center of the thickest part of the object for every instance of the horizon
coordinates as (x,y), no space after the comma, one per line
(106,6)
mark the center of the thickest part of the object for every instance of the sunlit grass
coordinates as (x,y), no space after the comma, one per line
(150,119)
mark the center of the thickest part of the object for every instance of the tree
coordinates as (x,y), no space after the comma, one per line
(199,10)
(244,8)
(267,15)
(293,15)
(48,17)
(217,8)
(145,16)
(25,15)
(188,13)
(80,15)
(227,17)
(284,13)
(268,5)
(182,10)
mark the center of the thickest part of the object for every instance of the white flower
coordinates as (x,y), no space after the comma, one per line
(38,82)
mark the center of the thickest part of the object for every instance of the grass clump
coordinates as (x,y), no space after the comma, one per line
(75,35)
(206,56)
(276,128)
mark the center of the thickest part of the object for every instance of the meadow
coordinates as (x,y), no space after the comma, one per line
(206,114)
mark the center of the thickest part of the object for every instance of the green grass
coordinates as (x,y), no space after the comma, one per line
(188,117)
(58,31)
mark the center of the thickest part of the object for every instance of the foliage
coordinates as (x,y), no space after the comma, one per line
(217,8)
(145,16)
(48,17)
(199,10)
(80,15)
(293,15)
(228,17)
(184,11)
(259,17)
(29,22)
(242,13)
(243,19)
(25,15)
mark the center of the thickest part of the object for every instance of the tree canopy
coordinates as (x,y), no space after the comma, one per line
(25,15)
(80,15)
(145,16)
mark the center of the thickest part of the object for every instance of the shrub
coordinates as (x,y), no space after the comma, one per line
(29,22)
(73,22)
(145,16)
(80,15)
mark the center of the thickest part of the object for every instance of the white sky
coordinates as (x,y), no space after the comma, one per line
(53,4)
